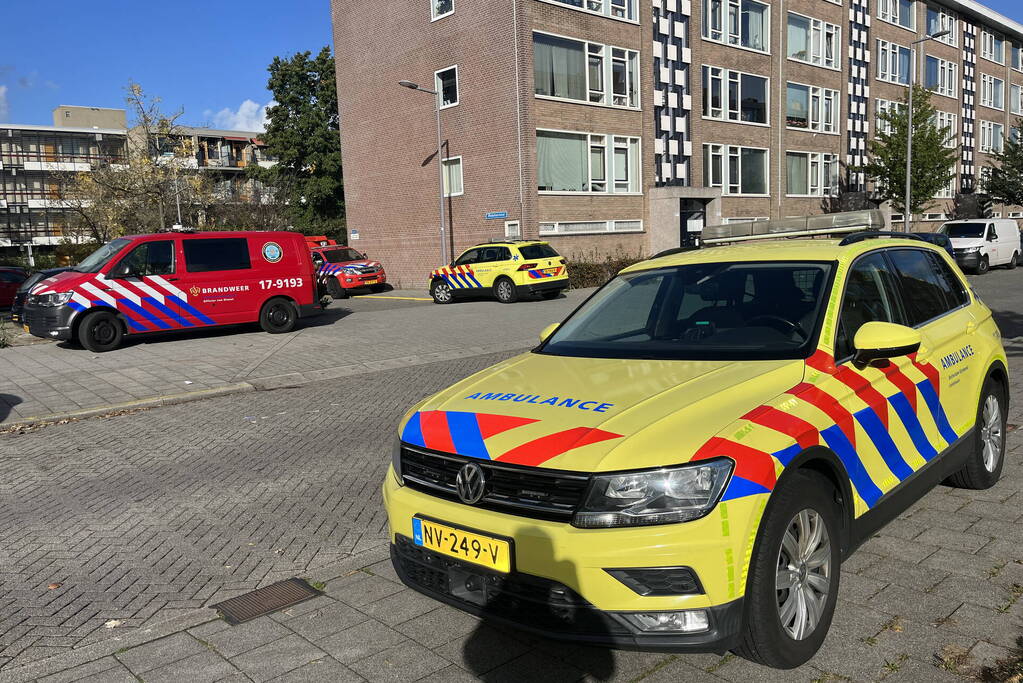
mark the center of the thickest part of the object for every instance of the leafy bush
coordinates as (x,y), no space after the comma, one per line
(594,271)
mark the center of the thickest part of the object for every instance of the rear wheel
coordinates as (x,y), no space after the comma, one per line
(335,289)
(793,583)
(1013,262)
(983,265)
(984,466)
(100,331)
(441,292)
(278,316)
(504,291)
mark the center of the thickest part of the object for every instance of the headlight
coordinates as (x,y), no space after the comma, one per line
(396,461)
(971,250)
(677,494)
(350,271)
(50,300)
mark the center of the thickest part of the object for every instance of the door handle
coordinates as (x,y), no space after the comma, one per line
(922,354)
(172,279)
(971,327)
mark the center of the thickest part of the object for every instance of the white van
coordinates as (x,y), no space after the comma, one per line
(981,243)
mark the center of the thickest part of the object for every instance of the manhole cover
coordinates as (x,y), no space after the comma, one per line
(272,598)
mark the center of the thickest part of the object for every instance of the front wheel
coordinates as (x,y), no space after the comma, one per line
(793,583)
(983,468)
(278,316)
(504,291)
(441,292)
(1013,262)
(983,265)
(335,289)
(100,331)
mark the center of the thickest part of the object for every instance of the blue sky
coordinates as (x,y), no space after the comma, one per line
(207,56)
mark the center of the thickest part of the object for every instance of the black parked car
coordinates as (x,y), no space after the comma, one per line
(22,293)
(938,239)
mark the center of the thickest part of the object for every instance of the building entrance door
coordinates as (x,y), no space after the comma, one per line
(692,216)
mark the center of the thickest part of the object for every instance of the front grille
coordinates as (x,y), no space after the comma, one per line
(540,603)
(515,489)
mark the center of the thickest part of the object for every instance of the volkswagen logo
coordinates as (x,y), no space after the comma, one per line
(470,483)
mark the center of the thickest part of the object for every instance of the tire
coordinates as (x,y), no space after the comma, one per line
(983,265)
(551,294)
(984,466)
(100,331)
(801,496)
(335,289)
(278,316)
(441,292)
(504,291)
(1013,262)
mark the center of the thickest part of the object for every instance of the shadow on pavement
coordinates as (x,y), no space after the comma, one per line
(494,646)
(7,402)
(1009,322)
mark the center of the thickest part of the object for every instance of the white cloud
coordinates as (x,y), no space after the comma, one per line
(249,116)
(4,107)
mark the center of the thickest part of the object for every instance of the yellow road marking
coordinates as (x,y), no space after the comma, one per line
(405,298)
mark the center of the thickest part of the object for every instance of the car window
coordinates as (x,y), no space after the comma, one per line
(11,277)
(342,255)
(955,292)
(492,254)
(95,261)
(204,255)
(924,289)
(149,258)
(992,233)
(471,256)
(538,251)
(969,230)
(870,296)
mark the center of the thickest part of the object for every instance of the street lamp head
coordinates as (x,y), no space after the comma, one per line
(940,34)
(408,84)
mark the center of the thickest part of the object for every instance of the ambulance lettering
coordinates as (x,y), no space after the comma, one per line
(595,406)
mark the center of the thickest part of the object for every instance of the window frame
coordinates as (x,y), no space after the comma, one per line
(894,13)
(437,17)
(609,227)
(726,161)
(948,75)
(933,256)
(820,26)
(817,158)
(893,50)
(189,240)
(609,144)
(988,91)
(632,5)
(706,31)
(438,86)
(633,73)
(987,130)
(881,106)
(953,119)
(146,245)
(461,175)
(896,294)
(726,82)
(947,19)
(1016,101)
(987,46)
(823,95)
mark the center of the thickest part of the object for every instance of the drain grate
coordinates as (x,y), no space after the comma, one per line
(272,598)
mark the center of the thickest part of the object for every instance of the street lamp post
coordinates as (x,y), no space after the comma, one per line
(440,166)
(906,212)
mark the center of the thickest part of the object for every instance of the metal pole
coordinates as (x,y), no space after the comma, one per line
(440,174)
(909,143)
(177,196)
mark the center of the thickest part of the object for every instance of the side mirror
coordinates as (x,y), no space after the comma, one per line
(880,341)
(548,331)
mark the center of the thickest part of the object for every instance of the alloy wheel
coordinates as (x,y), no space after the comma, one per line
(803,580)
(991,432)
(442,292)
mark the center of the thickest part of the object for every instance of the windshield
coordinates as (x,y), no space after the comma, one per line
(33,279)
(99,258)
(708,311)
(342,255)
(975,230)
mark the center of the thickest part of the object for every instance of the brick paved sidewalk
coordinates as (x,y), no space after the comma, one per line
(41,380)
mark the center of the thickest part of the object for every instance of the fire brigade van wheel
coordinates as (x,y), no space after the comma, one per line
(441,292)
(984,466)
(278,316)
(1013,262)
(983,265)
(100,331)
(504,291)
(335,289)
(793,583)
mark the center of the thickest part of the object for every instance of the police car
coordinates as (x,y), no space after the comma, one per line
(505,270)
(684,463)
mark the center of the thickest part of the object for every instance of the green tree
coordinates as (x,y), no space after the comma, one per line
(933,162)
(1004,181)
(303,134)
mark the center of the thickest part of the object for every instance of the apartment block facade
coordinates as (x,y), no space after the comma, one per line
(618,126)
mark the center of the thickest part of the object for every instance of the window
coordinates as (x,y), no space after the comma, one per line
(494,254)
(992,46)
(992,92)
(942,76)
(1016,214)
(870,296)
(453,177)
(949,189)
(512,229)
(743,23)
(150,258)
(581,162)
(205,255)
(885,110)
(991,137)
(927,292)
(446,83)
(576,70)
(940,19)
(892,63)
(1016,99)
(441,8)
(734,96)
(619,9)
(814,41)
(811,108)
(811,174)
(898,12)
(933,217)
(1017,57)
(588,227)
(949,123)
(471,256)
(736,170)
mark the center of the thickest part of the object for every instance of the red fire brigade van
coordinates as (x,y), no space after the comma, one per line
(342,268)
(176,281)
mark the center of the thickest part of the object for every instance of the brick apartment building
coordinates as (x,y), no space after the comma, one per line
(612,126)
